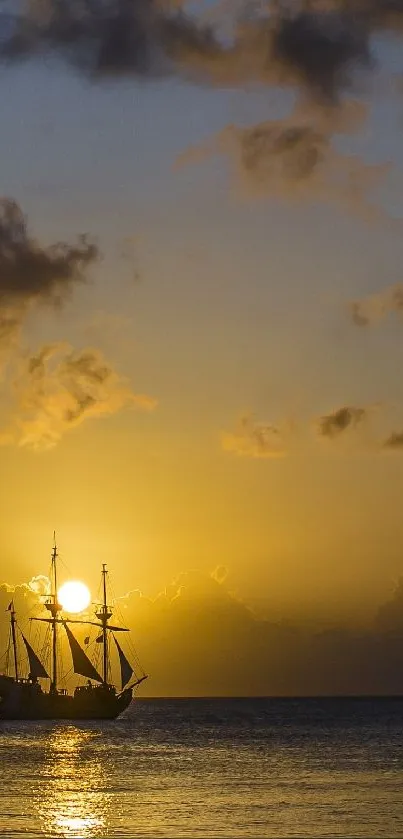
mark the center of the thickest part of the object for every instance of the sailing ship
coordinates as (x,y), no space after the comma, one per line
(25,697)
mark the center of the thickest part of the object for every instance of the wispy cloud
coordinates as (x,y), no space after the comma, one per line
(254,439)
(295,160)
(58,389)
(369,310)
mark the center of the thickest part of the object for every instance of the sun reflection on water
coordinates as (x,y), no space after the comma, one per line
(73,803)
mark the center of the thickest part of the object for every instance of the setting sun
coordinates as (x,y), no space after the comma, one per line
(74,596)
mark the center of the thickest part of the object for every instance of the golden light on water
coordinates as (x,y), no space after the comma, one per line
(73,802)
(74,596)
(78,826)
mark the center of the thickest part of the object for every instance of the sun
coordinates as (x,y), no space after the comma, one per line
(74,596)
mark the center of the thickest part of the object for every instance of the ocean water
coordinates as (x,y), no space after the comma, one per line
(209,768)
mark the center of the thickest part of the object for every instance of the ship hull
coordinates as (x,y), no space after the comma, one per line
(26,701)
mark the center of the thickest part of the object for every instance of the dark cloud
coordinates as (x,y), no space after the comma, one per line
(314,49)
(314,46)
(255,439)
(109,37)
(58,388)
(321,48)
(101,36)
(394,442)
(334,424)
(31,273)
(375,307)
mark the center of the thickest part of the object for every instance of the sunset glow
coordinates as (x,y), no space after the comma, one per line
(74,596)
(201,418)
(201,331)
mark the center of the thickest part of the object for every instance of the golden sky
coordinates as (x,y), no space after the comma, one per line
(200,303)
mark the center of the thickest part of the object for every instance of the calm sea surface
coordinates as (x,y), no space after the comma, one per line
(209,768)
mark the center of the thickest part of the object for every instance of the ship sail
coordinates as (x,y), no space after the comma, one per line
(81,663)
(36,668)
(126,670)
(27,698)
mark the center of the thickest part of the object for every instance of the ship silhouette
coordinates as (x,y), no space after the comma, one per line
(25,697)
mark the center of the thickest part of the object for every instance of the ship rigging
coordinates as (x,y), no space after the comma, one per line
(24,698)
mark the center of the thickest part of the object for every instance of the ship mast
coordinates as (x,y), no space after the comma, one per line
(103,616)
(14,640)
(82,665)
(54,607)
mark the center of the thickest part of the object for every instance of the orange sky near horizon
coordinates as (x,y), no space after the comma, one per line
(192,387)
